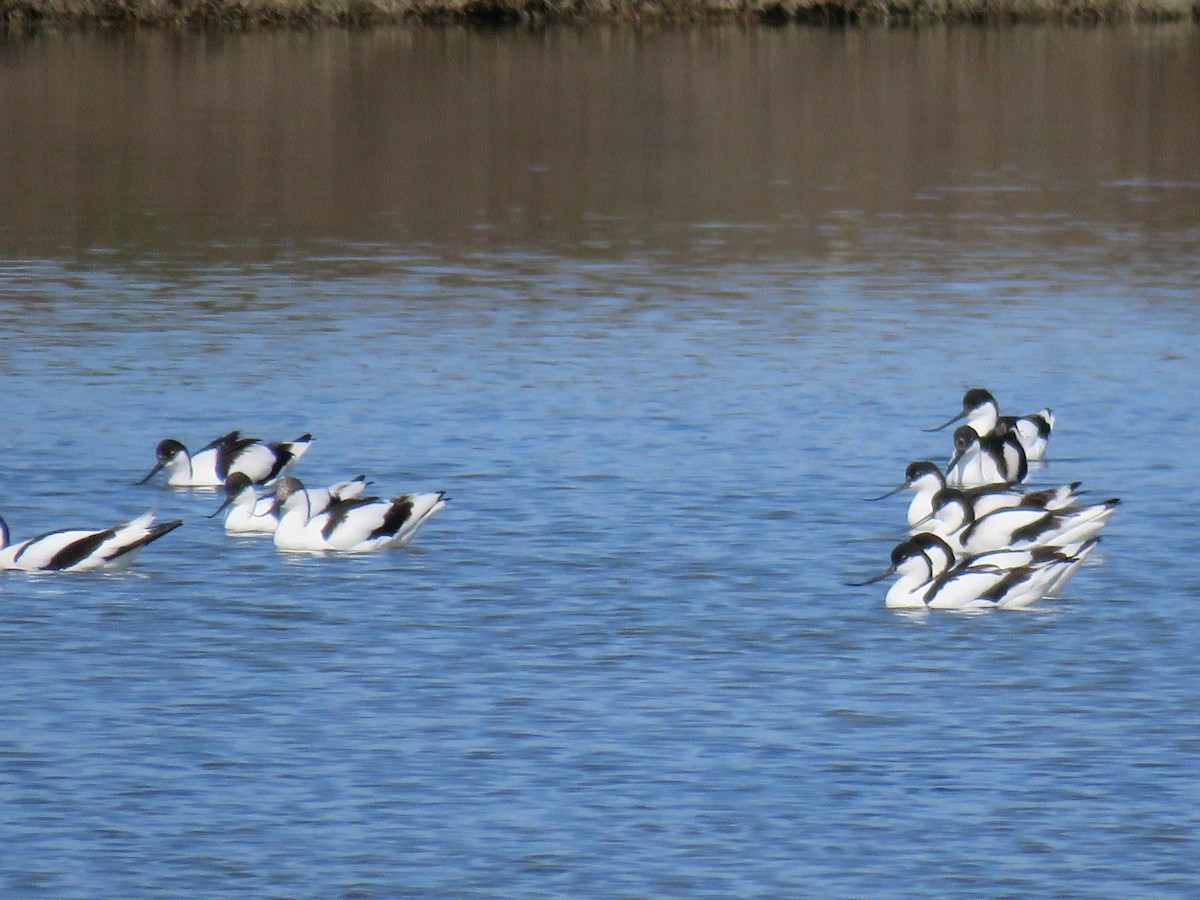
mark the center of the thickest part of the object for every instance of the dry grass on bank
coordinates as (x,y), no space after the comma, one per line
(242,14)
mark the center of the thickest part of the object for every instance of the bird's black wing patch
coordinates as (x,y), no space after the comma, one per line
(79,550)
(997,591)
(1033,530)
(228,448)
(283,456)
(395,517)
(340,508)
(223,439)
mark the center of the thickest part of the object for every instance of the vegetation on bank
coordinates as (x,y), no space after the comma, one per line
(240,14)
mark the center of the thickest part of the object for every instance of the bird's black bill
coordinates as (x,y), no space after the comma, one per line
(897,489)
(946,423)
(220,509)
(152,473)
(890,570)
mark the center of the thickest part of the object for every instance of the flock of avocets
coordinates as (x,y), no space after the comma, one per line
(338,518)
(979,541)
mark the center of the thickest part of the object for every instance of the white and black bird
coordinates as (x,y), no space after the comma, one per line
(942,558)
(982,413)
(209,466)
(1013,528)
(925,479)
(929,578)
(83,550)
(355,525)
(924,581)
(248,512)
(979,461)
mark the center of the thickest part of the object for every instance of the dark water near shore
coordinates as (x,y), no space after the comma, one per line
(658,311)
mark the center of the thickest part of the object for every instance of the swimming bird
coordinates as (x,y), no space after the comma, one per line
(926,479)
(942,558)
(1018,587)
(984,460)
(921,585)
(81,550)
(250,513)
(216,460)
(1014,528)
(990,581)
(355,525)
(982,413)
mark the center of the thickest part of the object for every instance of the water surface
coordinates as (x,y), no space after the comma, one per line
(658,311)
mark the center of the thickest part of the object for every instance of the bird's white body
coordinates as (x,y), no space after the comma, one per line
(926,480)
(1014,528)
(212,464)
(909,590)
(982,413)
(921,586)
(983,461)
(83,550)
(358,525)
(964,587)
(252,513)
(1010,579)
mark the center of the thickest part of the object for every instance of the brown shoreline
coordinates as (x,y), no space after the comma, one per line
(203,15)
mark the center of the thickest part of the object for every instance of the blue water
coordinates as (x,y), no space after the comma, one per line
(658,310)
(623,661)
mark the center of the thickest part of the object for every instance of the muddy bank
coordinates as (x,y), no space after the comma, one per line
(240,14)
